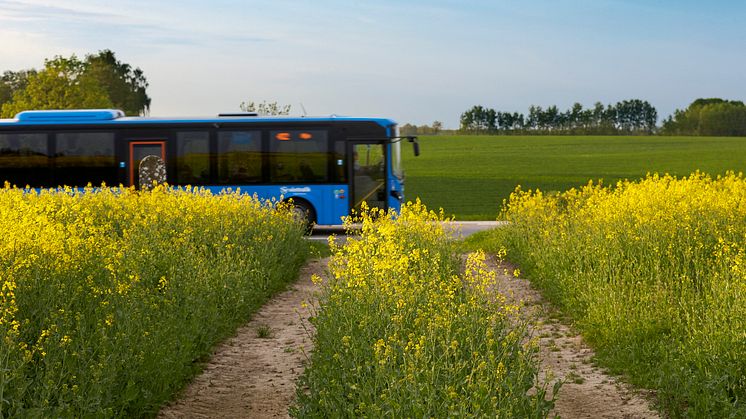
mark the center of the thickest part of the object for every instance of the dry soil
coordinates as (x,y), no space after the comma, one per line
(587,391)
(252,375)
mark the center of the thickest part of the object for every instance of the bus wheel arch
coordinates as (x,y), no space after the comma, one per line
(302,209)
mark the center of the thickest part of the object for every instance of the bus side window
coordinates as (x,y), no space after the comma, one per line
(192,158)
(83,157)
(239,157)
(299,156)
(24,159)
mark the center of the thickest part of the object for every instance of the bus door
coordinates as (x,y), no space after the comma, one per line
(138,150)
(368,174)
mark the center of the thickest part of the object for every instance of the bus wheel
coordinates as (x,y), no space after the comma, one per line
(302,211)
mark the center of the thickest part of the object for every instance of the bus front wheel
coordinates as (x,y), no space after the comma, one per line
(303,212)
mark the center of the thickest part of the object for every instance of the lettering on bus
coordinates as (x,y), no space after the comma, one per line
(285,190)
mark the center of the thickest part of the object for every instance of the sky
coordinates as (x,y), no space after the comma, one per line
(412,61)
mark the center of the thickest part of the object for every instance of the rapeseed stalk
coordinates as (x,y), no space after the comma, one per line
(401,332)
(108,297)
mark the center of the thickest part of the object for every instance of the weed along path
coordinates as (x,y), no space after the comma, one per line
(253,374)
(587,391)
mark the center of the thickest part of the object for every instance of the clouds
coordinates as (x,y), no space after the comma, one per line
(85,24)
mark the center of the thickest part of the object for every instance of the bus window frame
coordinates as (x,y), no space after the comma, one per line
(131,156)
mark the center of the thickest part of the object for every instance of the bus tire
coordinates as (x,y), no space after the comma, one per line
(302,210)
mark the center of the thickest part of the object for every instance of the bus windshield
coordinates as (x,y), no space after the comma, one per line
(396,166)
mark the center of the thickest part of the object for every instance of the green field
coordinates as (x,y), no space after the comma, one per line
(469,176)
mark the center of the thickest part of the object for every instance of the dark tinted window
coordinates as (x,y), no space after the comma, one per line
(85,157)
(192,158)
(239,157)
(24,159)
(299,156)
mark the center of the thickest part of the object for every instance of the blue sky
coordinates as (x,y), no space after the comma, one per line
(414,61)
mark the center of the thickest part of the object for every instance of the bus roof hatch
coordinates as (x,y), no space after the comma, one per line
(70,115)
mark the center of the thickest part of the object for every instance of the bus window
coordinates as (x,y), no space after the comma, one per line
(24,159)
(192,158)
(299,156)
(239,157)
(83,157)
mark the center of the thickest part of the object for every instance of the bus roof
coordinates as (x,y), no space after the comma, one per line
(116,117)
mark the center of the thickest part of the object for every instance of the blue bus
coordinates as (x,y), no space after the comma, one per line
(328,166)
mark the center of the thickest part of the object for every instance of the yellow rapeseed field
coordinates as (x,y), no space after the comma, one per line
(108,297)
(400,332)
(654,273)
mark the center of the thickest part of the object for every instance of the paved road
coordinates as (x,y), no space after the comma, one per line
(470,227)
(459,229)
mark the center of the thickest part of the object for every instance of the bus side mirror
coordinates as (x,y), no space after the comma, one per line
(415,145)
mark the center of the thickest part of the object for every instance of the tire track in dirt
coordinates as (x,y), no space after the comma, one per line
(254,377)
(587,392)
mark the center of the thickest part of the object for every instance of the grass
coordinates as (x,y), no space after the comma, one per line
(469,176)
(319,250)
(485,240)
(264,331)
(574,378)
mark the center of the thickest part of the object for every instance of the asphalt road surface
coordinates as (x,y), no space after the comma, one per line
(459,229)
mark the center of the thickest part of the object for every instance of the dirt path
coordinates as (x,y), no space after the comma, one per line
(254,377)
(587,392)
(251,376)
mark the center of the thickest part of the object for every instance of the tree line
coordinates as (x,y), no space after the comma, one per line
(712,117)
(410,129)
(97,81)
(633,116)
(716,117)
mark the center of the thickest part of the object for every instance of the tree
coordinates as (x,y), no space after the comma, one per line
(408,129)
(649,117)
(11,82)
(437,127)
(723,119)
(479,120)
(532,120)
(711,116)
(575,117)
(100,81)
(265,108)
(126,86)
(551,118)
(62,84)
